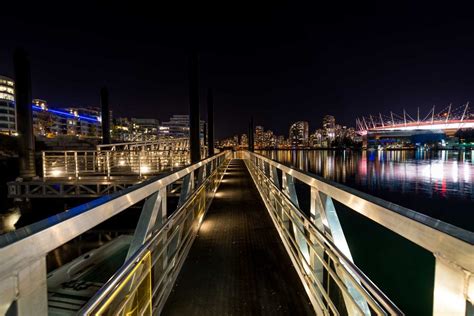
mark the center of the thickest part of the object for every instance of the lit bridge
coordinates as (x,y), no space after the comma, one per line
(235,234)
(448,119)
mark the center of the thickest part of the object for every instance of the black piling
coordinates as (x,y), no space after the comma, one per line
(250,137)
(26,149)
(210,123)
(105,108)
(194,141)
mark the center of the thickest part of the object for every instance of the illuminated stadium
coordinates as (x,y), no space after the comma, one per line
(408,130)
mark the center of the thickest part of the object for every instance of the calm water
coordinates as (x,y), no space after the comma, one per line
(438,184)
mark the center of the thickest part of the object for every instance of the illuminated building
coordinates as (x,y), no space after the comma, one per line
(84,122)
(316,139)
(281,142)
(122,129)
(259,137)
(231,142)
(144,129)
(269,140)
(178,127)
(298,135)
(244,142)
(7,106)
(329,127)
(436,128)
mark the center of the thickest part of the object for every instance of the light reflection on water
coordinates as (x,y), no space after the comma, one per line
(437,183)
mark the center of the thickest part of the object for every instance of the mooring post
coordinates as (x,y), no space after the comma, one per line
(210,123)
(194,128)
(104,104)
(26,148)
(250,137)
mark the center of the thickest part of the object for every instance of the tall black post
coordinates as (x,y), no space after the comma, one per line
(104,104)
(194,127)
(251,140)
(210,123)
(26,150)
(205,134)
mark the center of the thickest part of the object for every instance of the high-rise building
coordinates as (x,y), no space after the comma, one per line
(299,134)
(122,129)
(269,140)
(329,127)
(281,142)
(244,142)
(178,127)
(259,136)
(50,122)
(144,129)
(7,106)
(316,139)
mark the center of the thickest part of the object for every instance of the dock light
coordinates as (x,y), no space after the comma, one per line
(144,169)
(56,173)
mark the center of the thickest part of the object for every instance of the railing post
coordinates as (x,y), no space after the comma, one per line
(334,229)
(65,162)
(94,161)
(186,188)
(453,286)
(140,163)
(289,188)
(76,173)
(201,175)
(152,217)
(25,293)
(274,174)
(107,158)
(43,155)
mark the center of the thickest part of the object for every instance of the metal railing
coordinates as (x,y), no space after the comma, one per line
(166,235)
(78,164)
(140,159)
(167,248)
(159,144)
(322,257)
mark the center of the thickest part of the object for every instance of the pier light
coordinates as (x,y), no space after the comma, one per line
(56,172)
(144,169)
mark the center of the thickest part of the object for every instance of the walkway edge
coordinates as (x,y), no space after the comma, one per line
(286,245)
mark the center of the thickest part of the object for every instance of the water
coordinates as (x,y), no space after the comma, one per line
(436,183)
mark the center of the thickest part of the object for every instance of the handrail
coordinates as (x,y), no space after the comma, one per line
(75,164)
(24,250)
(145,142)
(106,291)
(311,250)
(452,247)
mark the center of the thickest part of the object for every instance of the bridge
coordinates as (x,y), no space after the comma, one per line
(235,233)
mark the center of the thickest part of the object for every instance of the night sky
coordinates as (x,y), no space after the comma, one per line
(278,62)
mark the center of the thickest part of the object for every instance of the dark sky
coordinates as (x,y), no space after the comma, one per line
(277,62)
